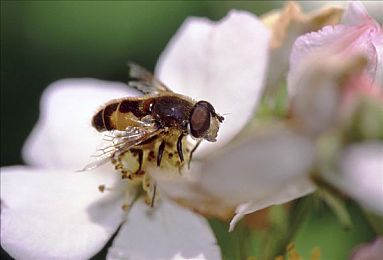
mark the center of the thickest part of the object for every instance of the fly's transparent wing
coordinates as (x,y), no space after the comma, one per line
(145,81)
(115,142)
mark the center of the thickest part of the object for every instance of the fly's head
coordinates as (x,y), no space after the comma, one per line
(204,122)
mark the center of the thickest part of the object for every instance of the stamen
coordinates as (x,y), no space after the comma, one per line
(103,188)
(153,196)
(125,207)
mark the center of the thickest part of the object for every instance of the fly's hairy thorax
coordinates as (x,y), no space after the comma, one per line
(172,111)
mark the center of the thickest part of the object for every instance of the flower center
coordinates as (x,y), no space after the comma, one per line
(162,152)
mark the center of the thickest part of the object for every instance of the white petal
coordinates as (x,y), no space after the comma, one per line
(63,137)
(187,192)
(290,191)
(259,167)
(360,35)
(305,46)
(369,251)
(356,14)
(286,25)
(316,90)
(374,9)
(165,232)
(362,174)
(333,41)
(378,44)
(269,168)
(221,62)
(47,214)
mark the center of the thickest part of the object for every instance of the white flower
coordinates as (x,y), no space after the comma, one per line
(332,88)
(361,174)
(286,25)
(320,63)
(268,168)
(50,211)
(358,33)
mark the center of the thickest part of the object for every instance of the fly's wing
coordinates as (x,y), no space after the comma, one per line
(116,142)
(145,81)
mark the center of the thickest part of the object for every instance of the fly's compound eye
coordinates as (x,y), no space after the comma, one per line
(200,119)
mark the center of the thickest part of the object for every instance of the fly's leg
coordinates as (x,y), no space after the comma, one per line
(161,150)
(179,148)
(192,151)
(149,186)
(140,159)
(153,196)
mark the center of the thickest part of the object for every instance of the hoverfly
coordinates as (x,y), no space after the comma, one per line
(149,126)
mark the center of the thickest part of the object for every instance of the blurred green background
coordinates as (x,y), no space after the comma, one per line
(45,41)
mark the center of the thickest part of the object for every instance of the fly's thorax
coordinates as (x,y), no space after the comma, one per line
(172,111)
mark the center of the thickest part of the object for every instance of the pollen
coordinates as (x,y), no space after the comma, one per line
(133,164)
(125,207)
(292,253)
(101,188)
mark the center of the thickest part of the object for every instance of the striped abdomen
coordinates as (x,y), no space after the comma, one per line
(121,114)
